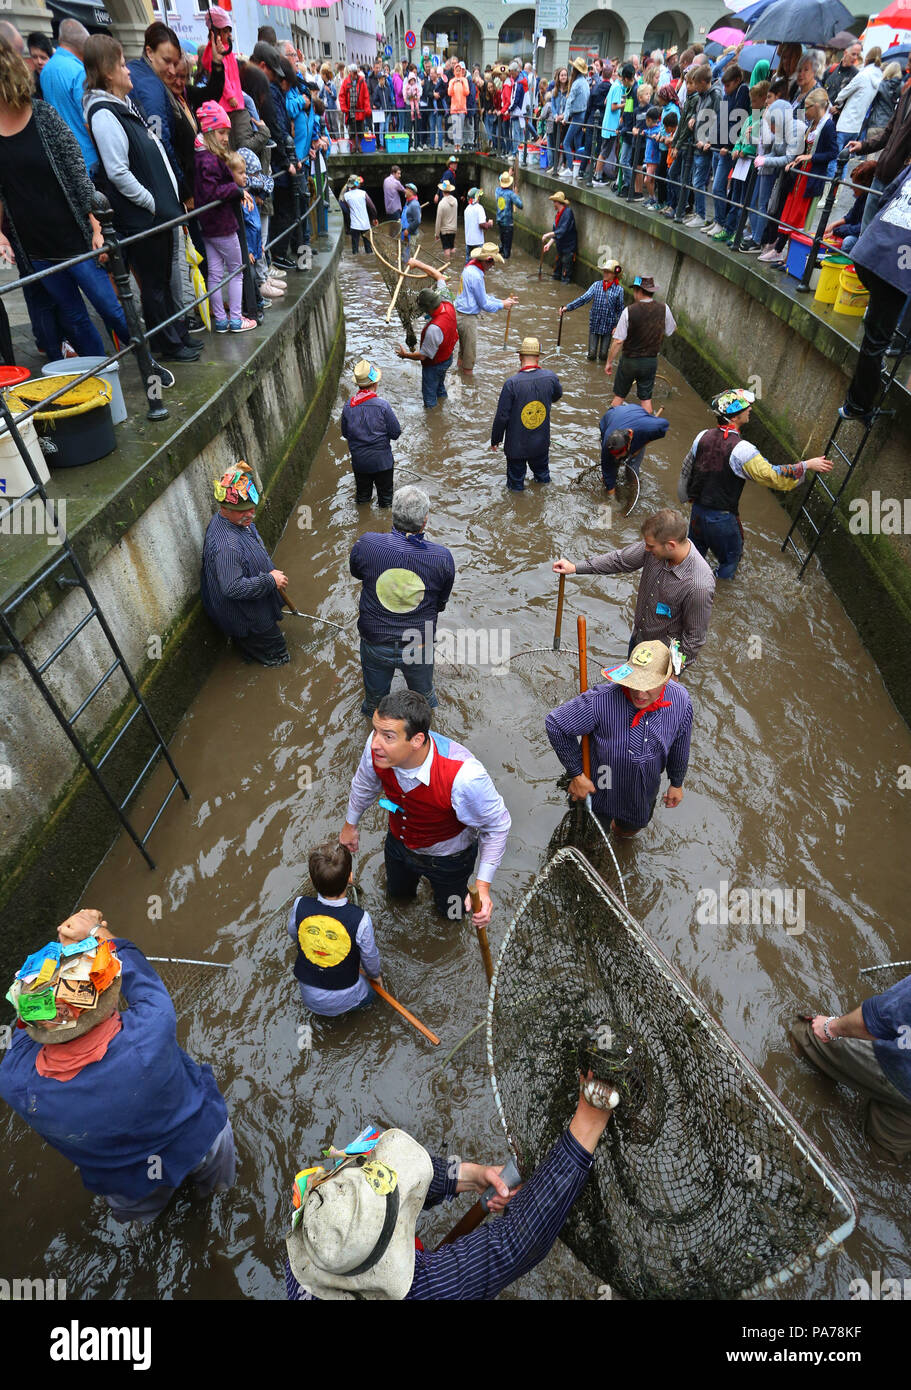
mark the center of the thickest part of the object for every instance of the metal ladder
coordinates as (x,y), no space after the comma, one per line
(887,377)
(68,559)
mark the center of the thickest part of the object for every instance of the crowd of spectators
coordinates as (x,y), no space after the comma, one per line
(160,137)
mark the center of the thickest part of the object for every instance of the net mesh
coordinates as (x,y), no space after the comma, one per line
(185,980)
(703,1185)
(882,977)
(390,265)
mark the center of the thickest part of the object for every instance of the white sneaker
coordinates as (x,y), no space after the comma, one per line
(271,291)
(276,273)
(693,221)
(710,229)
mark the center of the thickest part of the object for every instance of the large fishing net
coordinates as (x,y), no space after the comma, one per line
(879,978)
(703,1185)
(403,285)
(186,980)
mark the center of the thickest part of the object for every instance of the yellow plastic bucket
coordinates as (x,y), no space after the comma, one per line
(852,298)
(829,274)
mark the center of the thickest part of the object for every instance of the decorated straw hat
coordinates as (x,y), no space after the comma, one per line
(506,180)
(489,252)
(581,66)
(609,263)
(446,186)
(365,374)
(238,489)
(732,402)
(648,666)
(645,283)
(353,1235)
(559,197)
(530,347)
(83,974)
(474,194)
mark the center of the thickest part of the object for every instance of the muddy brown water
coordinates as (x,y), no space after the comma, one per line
(793,782)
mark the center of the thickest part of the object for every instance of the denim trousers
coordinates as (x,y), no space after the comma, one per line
(515,472)
(435,128)
(447,874)
(720,532)
(433,381)
(574,141)
(702,167)
(721,167)
(379,662)
(762,192)
(66,289)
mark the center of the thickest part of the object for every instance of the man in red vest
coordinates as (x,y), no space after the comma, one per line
(438,336)
(443,808)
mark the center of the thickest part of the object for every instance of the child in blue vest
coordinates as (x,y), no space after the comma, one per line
(334,939)
(506,201)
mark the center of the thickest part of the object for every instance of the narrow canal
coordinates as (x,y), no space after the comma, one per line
(793,782)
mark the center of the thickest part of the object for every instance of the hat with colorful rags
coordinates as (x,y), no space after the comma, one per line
(356,1238)
(732,402)
(81,974)
(237,489)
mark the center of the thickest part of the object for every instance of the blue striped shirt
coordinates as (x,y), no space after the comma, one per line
(380,551)
(238,592)
(474,296)
(627,763)
(607,306)
(482,1264)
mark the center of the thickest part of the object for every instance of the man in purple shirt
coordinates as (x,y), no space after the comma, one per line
(639,723)
(353,1229)
(394,195)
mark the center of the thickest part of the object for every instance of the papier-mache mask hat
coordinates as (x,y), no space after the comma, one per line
(237,489)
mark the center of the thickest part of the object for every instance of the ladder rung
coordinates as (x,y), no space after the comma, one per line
(101,761)
(827,490)
(808,519)
(83,622)
(174,785)
(153,755)
(44,575)
(90,697)
(849,460)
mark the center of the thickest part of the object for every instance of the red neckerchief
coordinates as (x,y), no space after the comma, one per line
(561,208)
(727,429)
(481,267)
(63,1061)
(534,368)
(647,709)
(364,395)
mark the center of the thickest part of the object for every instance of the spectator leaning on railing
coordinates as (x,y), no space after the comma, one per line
(136,176)
(38,151)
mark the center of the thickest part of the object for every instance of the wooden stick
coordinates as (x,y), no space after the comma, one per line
(558,625)
(483,942)
(541,261)
(506,334)
(288,602)
(475,1215)
(400,1008)
(582,644)
(559,329)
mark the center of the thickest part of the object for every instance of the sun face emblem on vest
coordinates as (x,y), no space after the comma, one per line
(642,658)
(323,940)
(382,1179)
(399,590)
(533,414)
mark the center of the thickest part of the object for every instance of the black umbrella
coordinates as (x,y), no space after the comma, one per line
(801,21)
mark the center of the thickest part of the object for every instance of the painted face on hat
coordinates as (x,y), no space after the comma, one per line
(323,940)
(381,1178)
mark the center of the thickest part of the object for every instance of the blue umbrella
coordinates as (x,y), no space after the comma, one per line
(757,53)
(801,21)
(751,12)
(898,51)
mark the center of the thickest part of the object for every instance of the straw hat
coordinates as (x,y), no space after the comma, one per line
(356,1238)
(489,252)
(505,180)
(559,197)
(648,667)
(530,347)
(365,374)
(474,194)
(732,402)
(608,263)
(581,66)
(446,186)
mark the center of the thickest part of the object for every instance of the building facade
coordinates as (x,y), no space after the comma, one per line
(492,31)
(360,31)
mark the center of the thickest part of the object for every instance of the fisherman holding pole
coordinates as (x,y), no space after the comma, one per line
(240,587)
(438,336)
(353,1229)
(443,808)
(474,300)
(565,237)
(639,722)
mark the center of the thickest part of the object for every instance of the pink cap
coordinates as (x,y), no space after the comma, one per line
(211,116)
(217,18)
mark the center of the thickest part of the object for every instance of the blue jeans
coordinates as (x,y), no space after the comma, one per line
(626,157)
(735,203)
(435,129)
(515,472)
(379,661)
(433,381)
(574,141)
(447,874)
(64,289)
(721,167)
(515,133)
(843,136)
(490,125)
(762,192)
(720,532)
(702,166)
(871,206)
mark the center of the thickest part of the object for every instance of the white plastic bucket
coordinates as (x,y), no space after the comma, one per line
(14,476)
(75,366)
(344,146)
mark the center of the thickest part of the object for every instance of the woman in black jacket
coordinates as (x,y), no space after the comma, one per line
(136,176)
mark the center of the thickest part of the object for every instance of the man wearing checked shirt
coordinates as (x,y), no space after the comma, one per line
(443,808)
(677,585)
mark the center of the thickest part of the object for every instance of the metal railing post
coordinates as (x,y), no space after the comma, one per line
(138,339)
(298,218)
(590,166)
(635,158)
(834,183)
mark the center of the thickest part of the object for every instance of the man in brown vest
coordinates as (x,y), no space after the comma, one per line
(637,339)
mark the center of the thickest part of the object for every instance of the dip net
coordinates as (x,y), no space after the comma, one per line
(185,980)
(703,1184)
(391,259)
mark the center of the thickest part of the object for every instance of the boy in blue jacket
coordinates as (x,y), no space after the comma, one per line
(506,201)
